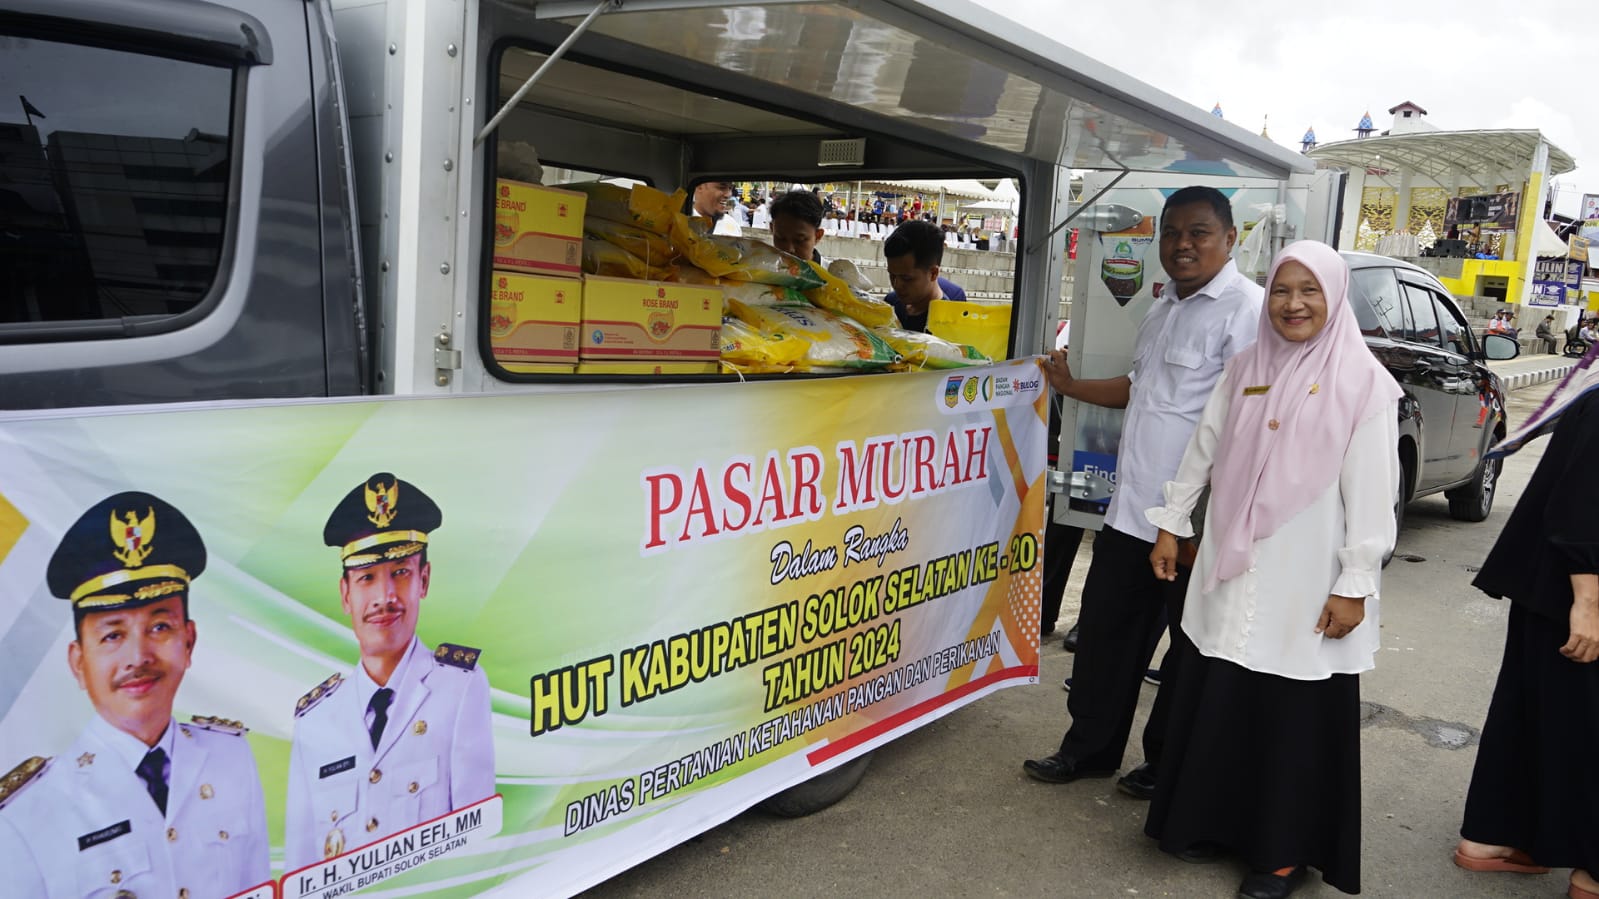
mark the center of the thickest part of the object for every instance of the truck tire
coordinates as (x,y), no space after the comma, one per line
(1474,500)
(817,793)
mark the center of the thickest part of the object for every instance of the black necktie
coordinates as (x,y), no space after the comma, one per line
(153,771)
(379,707)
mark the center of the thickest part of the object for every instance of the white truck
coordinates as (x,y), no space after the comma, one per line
(276,200)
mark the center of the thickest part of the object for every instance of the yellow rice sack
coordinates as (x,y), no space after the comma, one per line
(833,342)
(641,206)
(761,294)
(920,351)
(835,295)
(747,348)
(693,274)
(653,248)
(604,258)
(740,258)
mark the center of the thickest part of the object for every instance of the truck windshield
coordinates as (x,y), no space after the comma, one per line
(114,170)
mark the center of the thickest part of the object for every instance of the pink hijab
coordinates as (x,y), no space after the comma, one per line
(1320,391)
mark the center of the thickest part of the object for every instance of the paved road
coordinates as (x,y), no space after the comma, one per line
(947,811)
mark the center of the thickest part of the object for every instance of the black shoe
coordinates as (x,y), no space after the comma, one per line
(1070,643)
(1266,885)
(1152,676)
(1067,684)
(1138,783)
(1058,769)
(1047,630)
(1200,853)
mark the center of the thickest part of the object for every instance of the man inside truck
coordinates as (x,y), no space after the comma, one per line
(913,253)
(1206,313)
(797,224)
(714,200)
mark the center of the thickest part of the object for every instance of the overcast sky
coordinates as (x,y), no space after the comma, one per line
(1471,64)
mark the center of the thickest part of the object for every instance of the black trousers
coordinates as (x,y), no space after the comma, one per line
(1122,602)
(1061,542)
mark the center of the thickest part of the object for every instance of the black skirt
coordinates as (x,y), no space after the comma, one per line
(1536,783)
(1266,767)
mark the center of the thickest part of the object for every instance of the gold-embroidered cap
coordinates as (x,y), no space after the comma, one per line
(128,550)
(381,520)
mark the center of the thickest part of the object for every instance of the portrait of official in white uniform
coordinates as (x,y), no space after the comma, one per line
(403,736)
(139,805)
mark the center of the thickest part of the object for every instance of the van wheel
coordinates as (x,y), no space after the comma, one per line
(1475,500)
(1401,499)
(819,792)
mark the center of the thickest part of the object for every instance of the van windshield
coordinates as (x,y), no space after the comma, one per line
(114,170)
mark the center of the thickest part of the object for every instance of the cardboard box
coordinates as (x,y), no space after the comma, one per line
(538,229)
(648,368)
(538,368)
(631,321)
(533,319)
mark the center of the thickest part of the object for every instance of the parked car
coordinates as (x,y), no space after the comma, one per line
(1453,408)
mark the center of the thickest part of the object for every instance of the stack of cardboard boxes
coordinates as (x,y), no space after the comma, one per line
(547,317)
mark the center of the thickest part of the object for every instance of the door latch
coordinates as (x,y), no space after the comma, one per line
(446,360)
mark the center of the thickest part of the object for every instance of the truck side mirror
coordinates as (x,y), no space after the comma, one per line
(1498,347)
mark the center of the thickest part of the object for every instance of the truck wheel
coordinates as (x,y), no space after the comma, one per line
(1475,500)
(817,793)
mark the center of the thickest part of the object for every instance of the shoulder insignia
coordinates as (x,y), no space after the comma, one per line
(17,779)
(462,657)
(318,693)
(220,725)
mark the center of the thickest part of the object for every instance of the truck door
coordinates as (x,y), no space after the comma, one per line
(161,212)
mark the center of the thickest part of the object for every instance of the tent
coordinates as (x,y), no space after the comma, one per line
(1546,243)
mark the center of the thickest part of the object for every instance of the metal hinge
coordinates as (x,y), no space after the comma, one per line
(445,359)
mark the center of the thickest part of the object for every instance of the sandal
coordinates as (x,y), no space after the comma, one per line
(1517,862)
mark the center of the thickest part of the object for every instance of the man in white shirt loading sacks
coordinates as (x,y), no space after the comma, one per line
(1206,313)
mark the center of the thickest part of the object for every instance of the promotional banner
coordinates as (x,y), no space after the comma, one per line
(453,646)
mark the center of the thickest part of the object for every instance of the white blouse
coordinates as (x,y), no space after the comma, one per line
(1265,619)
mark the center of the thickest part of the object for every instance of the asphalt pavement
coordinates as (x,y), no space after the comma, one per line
(947,811)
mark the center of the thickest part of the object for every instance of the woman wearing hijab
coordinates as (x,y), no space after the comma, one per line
(1297,447)
(1534,797)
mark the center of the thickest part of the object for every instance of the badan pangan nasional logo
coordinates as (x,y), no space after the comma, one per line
(1001,386)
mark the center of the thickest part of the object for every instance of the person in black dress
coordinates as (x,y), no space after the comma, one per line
(1533,803)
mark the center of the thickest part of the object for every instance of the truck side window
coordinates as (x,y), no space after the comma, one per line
(1375,296)
(114,171)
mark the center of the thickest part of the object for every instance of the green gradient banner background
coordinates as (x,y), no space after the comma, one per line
(538,564)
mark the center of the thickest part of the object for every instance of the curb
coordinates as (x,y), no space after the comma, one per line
(1523,379)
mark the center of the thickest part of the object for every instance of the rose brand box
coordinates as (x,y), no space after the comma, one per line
(648,368)
(533,320)
(633,321)
(538,229)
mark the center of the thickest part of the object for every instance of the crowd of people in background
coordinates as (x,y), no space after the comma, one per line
(873,217)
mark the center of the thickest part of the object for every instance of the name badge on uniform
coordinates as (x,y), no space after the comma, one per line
(1256,391)
(105,834)
(338,767)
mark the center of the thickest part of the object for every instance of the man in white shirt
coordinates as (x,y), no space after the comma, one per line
(714,200)
(1206,313)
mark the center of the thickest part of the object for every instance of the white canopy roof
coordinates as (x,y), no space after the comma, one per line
(1546,243)
(968,188)
(1443,155)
